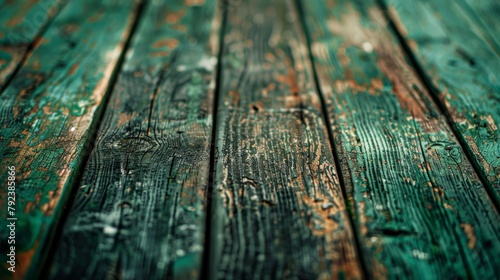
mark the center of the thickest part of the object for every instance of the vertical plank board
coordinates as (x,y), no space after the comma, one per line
(278,208)
(46,118)
(20,22)
(463,67)
(139,212)
(421,210)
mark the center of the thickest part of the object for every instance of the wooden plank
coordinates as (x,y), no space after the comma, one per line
(462,66)
(486,15)
(278,208)
(20,23)
(47,116)
(140,204)
(421,210)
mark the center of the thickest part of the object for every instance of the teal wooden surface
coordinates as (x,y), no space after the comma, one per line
(420,208)
(20,23)
(278,208)
(394,195)
(46,118)
(139,212)
(461,62)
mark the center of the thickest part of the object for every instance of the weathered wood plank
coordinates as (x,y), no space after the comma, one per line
(463,67)
(20,24)
(278,208)
(47,115)
(140,209)
(421,210)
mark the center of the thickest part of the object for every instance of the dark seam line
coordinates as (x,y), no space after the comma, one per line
(336,155)
(30,48)
(434,93)
(51,245)
(206,270)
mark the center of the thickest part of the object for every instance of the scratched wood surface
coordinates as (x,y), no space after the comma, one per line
(46,116)
(20,23)
(461,61)
(278,208)
(139,212)
(420,209)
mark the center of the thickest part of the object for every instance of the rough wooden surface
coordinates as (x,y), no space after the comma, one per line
(46,115)
(421,211)
(278,209)
(461,61)
(20,23)
(140,208)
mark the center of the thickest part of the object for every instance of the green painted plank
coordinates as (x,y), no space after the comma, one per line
(278,209)
(20,23)
(420,209)
(139,211)
(463,68)
(486,15)
(46,118)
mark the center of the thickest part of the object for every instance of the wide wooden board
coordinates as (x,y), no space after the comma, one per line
(139,212)
(421,211)
(460,60)
(278,211)
(47,116)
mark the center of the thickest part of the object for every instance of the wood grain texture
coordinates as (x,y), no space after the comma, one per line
(140,209)
(46,118)
(462,64)
(421,210)
(20,23)
(278,208)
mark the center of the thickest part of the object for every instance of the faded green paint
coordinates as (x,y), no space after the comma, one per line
(20,23)
(460,59)
(139,212)
(46,118)
(278,208)
(420,208)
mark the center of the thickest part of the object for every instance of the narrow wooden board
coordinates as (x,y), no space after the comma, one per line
(47,115)
(278,208)
(20,23)
(462,65)
(139,211)
(421,210)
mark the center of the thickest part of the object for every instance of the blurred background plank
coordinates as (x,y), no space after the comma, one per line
(420,209)
(21,21)
(461,63)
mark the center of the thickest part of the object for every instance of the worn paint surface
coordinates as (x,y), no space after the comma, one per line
(20,23)
(420,209)
(278,208)
(139,211)
(46,116)
(460,58)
